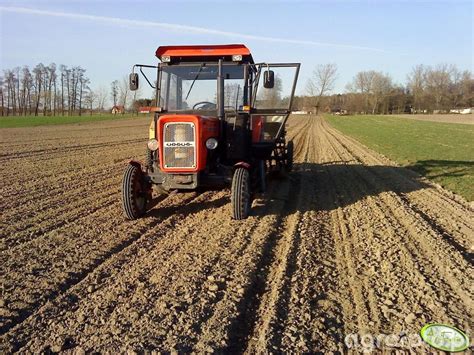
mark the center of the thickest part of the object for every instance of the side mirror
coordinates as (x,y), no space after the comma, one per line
(268,79)
(133,81)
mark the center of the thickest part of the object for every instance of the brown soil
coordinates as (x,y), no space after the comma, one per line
(447,118)
(348,243)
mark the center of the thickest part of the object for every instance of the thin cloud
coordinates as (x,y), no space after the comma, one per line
(181,28)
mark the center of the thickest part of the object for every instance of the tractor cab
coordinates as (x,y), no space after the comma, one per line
(218,115)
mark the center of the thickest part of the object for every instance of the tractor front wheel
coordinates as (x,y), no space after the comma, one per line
(241,199)
(135,194)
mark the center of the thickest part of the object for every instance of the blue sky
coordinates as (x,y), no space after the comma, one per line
(388,36)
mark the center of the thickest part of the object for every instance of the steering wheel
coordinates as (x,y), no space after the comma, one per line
(206,105)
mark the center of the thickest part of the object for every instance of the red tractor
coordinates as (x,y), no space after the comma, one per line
(219,121)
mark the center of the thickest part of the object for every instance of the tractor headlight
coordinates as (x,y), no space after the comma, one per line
(211,143)
(152,144)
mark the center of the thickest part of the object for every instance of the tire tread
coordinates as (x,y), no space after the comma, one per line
(130,208)
(240,210)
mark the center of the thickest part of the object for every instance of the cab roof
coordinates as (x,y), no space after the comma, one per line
(192,53)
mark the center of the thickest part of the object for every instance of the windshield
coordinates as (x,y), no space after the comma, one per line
(194,87)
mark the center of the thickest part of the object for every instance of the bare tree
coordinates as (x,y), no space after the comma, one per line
(467,88)
(16,91)
(115,91)
(136,97)
(322,82)
(437,84)
(373,89)
(8,74)
(24,92)
(67,76)
(417,84)
(51,87)
(362,83)
(83,85)
(101,97)
(124,91)
(48,92)
(89,98)
(38,85)
(62,69)
(456,87)
(2,96)
(75,74)
(380,89)
(26,87)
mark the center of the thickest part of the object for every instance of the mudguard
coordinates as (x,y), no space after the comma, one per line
(136,163)
(145,177)
(242,164)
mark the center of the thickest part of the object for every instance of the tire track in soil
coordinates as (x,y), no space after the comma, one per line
(261,304)
(461,215)
(62,176)
(192,246)
(258,305)
(49,153)
(269,308)
(168,215)
(346,248)
(404,215)
(349,243)
(82,201)
(312,319)
(399,224)
(30,189)
(281,312)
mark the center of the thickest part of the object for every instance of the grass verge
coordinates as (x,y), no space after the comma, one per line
(31,121)
(442,152)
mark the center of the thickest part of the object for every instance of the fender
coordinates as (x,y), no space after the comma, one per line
(145,177)
(242,164)
(136,163)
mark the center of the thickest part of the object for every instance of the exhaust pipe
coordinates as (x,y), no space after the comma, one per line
(220,97)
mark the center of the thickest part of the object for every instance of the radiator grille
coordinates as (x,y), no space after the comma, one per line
(179,140)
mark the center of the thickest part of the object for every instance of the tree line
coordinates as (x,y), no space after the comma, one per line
(61,90)
(49,90)
(427,89)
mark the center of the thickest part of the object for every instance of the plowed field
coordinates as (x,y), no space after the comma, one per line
(349,243)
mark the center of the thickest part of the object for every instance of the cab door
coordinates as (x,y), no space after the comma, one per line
(271,106)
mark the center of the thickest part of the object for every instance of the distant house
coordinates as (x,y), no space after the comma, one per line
(336,110)
(117,109)
(144,109)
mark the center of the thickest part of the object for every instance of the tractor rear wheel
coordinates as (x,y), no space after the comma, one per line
(241,199)
(135,194)
(289,156)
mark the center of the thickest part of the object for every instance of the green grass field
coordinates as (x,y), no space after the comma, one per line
(31,121)
(443,152)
